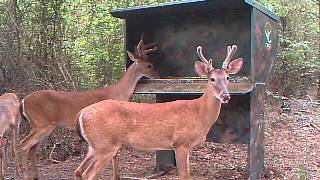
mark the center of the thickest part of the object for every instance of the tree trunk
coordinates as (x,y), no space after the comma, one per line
(284,61)
(318,90)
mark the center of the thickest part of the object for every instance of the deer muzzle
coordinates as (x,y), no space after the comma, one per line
(225,97)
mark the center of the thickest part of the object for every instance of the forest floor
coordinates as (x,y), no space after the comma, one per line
(292,151)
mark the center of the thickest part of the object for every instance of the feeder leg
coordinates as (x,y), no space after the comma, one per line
(256,146)
(165,160)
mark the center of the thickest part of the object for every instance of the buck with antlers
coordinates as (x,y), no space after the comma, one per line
(9,120)
(47,109)
(178,125)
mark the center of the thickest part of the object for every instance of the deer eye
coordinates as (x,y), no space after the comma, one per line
(212,79)
(150,66)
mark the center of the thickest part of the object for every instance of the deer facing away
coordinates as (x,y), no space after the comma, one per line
(178,125)
(48,109)
(9,120)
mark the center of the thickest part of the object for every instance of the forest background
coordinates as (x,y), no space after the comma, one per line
(77,45)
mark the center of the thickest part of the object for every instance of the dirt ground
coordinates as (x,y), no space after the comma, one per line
(292,151)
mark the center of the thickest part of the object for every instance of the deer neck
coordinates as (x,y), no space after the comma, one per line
(124,88)
(210,106)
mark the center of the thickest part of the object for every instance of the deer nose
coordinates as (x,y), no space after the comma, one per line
(225,97)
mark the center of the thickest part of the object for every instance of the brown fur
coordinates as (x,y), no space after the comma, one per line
(48,109)
(9,120)
(178,125)
(78,129)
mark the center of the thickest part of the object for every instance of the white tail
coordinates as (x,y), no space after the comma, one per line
(178,125)
(9,119)
(46,110)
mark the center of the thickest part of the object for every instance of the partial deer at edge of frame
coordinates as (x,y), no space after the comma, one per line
(9,120)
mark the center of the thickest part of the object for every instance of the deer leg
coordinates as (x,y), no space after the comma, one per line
(4,164)
(15,133)
(115,170)
(34,161)
(182,157)
(98,162)
(24,155)
(34,137)
(84,164)
(1,165)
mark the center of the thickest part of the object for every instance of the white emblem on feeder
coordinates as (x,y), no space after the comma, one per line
(267,33)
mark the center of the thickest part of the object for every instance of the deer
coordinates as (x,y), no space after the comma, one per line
(47,110)
(179,125)
(9,121)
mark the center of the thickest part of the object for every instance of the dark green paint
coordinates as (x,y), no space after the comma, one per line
(257,124)
(262,57)
(177,38)
(189,6)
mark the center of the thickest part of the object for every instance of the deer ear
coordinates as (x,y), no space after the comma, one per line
(131,56)
(235,66)
(201,69)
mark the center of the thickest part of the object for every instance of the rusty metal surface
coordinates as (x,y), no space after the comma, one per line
(257,123)
(264,45)
(186,86)
(178,36)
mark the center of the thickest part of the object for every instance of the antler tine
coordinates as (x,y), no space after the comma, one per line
(201,56)
(142,49)
(139,48)
(231,51)
(147,46)
(145,52)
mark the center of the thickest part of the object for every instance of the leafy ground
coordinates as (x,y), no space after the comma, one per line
(292,146)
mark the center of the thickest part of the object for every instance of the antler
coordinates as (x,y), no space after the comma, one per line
(201,56)
(231,51)
(142,49)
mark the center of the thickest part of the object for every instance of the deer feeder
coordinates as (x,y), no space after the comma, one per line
(178,28)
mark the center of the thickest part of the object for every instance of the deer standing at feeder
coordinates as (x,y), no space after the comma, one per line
(47,110)
(9,120)
(178,125)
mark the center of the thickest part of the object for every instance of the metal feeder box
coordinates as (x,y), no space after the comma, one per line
(178,28)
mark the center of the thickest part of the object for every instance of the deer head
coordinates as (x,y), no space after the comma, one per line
(219,77)
(141,61)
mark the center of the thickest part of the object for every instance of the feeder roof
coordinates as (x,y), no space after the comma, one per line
(189,6)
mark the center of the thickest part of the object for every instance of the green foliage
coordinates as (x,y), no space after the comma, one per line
(299,43)
(301,33)
(95,40)
(303,26)
(68,44)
